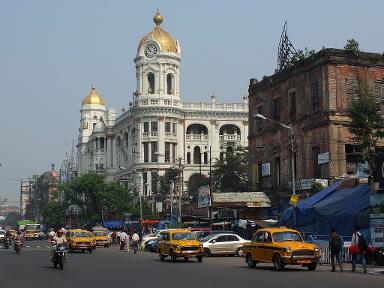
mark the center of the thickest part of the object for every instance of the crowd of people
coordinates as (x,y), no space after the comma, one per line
(126,239)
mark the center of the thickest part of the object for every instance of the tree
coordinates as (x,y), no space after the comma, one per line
(97,198)
(167,182)
(230,174)
(367,127)
(352,47)
(300,55)
(194,182)
(53,214)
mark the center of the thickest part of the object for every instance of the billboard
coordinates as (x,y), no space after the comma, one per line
(203,199)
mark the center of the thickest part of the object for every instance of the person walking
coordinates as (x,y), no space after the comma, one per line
(336,248)
(135,242)
(123,241)
(359,241)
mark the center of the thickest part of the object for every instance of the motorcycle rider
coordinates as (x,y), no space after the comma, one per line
(58,239)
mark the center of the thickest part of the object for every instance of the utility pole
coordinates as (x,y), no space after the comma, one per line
(210,187)
(180,187)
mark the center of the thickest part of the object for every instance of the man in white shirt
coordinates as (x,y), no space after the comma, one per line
(135,242)
(124,241)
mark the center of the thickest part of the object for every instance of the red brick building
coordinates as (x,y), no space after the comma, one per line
(312,96)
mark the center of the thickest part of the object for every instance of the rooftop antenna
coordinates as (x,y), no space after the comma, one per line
(285,50)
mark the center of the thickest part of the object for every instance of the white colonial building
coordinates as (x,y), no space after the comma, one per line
(158,130)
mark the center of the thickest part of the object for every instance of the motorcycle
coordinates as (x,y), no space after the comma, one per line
(18,245)
(7,243)
(59,256)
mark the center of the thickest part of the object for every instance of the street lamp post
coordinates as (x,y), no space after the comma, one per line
(290,128)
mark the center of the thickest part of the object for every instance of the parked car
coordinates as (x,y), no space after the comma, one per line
(223,244)
(2,235)
(281,246)
(200,234)
(151,245)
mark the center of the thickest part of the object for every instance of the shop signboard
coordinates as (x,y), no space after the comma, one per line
(377,230)
(266,169)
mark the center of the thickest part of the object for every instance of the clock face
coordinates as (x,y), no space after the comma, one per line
(150,50)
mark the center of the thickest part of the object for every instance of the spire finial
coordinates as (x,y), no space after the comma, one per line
(93,87)
(158,19)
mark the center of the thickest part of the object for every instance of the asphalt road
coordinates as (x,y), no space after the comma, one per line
(109,266)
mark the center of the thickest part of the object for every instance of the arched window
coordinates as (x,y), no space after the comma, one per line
(189,158)
(170,83)
(196,155)
(229,129)
(126,139)
(151,83)
(205,157)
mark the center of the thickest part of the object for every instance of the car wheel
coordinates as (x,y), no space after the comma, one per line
(199,259)
(250,262)
(277,262)
(173,257)
(162,257)
(185,259)
(312,266)
(207,252)
(239,252)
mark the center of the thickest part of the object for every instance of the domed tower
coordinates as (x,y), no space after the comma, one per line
(157,108)
(93,109)
(157,66)
(92,113)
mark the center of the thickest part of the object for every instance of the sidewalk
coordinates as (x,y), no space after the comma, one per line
(371,269)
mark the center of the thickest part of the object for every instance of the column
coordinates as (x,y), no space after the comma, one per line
(160,85)
(160,137)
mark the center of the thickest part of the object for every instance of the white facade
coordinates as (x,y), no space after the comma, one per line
(158,131)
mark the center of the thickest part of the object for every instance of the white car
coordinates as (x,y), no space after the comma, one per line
(2,235)
(224,244)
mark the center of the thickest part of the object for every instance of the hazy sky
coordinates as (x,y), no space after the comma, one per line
(51,52)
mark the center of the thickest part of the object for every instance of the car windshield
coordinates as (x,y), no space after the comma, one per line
(100,233)
(183,236)
(207,238)
(80,234)
(286,236)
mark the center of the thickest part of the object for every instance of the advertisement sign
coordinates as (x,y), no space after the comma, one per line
(203,199)
(377,230)
(266,169)
(159,207)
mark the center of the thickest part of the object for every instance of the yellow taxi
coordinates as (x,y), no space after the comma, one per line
(79,239)
(32,235)
(101,237)
(179,243)
(13,233)
(280,246)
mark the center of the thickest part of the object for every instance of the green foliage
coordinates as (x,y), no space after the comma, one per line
(352,47)
(167,182)
(230,174)
(53,214)
(367,127)
(146,208)
(194,182)
(300,55)
(97,198)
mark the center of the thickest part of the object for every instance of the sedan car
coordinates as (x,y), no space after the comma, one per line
(224,244)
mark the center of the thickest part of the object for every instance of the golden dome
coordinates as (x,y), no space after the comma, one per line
(93,98)
(167,43)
